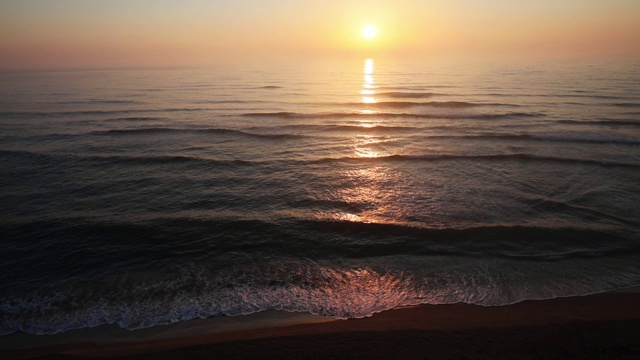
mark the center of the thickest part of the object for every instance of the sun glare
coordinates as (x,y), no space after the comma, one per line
(369,31)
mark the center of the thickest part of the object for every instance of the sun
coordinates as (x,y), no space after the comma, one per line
(369,31)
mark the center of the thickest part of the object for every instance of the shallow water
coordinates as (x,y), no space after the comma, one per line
(146,197)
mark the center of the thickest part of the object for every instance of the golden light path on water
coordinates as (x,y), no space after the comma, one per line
(363,144)
(363,291)
(369,189)
(369,83)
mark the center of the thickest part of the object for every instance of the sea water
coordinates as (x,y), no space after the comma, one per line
(146,197)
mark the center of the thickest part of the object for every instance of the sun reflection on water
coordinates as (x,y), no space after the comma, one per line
(360,292)
(369,83)
(362,143)
(366,192)
(368,67)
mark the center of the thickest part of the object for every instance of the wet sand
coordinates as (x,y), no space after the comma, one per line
(595,326)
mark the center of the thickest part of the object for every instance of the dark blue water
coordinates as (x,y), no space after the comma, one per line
(146,197)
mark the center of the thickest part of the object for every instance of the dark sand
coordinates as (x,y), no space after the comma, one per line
(603,326)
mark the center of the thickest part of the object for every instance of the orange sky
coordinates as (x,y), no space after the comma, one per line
(85,33)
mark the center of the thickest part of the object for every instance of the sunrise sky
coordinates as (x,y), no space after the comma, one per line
(43,34)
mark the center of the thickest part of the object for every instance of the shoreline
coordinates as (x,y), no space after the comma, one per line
(600,322)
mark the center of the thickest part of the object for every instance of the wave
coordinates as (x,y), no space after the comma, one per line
(546,204)
(101,101)
(535,137)
(150,160)
(161,160)
(293,115)
(408,104)
(375,128)
(164,159)
(413,132)
(498,157)
(94,112)
(483,241)
(402,95)
(490,136)
(496,241)
(351,278)
(230,102)
(559,96)
(326,290)
(593,96)
(436,104)
(358,128)
(584,140)
(630,123)
(269,87)
(626,105)
(163,130)
(136,118)
(125,159)
(144,131)
(414,87)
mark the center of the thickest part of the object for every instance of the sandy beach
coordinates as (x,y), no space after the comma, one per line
(596,326)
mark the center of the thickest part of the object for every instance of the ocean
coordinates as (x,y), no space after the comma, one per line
(144,197)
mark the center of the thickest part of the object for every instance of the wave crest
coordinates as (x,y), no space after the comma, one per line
(221,131)
(339,115)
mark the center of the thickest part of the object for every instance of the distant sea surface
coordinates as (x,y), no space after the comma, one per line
(147,197)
